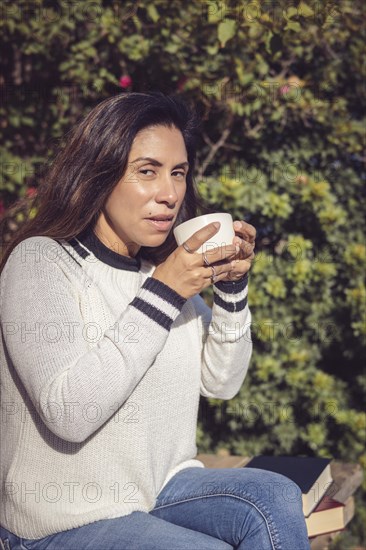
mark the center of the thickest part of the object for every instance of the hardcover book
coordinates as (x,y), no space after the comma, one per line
(311,474)
(330,515)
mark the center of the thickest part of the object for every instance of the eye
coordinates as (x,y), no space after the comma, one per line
(179,174)
(147,171)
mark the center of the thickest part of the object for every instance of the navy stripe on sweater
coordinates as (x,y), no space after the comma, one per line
(164,292)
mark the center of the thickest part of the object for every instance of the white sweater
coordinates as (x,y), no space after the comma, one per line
(102,367)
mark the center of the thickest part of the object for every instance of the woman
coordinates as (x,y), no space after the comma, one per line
(107,346)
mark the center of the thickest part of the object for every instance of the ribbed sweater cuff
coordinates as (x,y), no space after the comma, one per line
(238,294)
(159,302)
(233,287)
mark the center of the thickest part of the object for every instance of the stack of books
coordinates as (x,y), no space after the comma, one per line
(322,513)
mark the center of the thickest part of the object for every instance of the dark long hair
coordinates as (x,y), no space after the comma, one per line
(93,161)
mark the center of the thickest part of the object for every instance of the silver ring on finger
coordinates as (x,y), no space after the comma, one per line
(186,247)
(213,273)
(205,260)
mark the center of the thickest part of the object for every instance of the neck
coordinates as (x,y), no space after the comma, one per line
(109,237)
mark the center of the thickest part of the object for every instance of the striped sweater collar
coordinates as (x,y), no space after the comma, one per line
(92,244)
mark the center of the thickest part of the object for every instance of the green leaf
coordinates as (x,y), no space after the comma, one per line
(215,11)
(171,48)
(153,13)
(291,12)
(226,31)
(305,10)
(212,50)
(246,79)
(294,26)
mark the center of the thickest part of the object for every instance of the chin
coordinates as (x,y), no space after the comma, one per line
(155,241)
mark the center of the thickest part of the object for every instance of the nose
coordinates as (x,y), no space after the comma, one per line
(167,192)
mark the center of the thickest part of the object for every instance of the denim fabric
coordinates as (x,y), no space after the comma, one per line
(198,509)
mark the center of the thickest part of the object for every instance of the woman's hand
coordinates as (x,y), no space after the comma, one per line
(186,272)
(245,237)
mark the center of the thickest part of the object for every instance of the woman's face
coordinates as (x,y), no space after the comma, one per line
(154,184)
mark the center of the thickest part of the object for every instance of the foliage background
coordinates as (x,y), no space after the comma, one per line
(280,88)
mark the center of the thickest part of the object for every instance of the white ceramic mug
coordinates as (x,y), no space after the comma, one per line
(224,235)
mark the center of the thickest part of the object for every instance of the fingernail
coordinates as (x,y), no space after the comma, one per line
(216,224)
(237,225)
(237,248)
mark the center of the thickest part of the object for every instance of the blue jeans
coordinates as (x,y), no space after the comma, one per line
(198,509)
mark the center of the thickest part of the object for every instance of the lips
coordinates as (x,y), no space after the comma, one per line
(161,218)
(160,225)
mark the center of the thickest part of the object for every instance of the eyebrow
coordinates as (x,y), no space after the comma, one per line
(155,162)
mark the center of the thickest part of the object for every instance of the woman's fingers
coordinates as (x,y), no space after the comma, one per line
(246,248)
(245,234)
(220,254)
(247,231)
(219,269)
(201,236)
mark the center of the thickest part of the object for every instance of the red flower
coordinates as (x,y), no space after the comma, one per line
(30,192)
(125,81)
(181,82)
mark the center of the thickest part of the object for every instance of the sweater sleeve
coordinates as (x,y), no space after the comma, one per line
(42,330)
(226,339)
